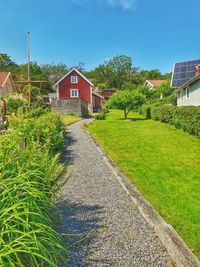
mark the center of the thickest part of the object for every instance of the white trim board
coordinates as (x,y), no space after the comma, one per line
(100,96)
(6,79)
(74,89)
(74,69)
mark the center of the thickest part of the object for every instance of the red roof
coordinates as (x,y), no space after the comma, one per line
(155,83)
(3,77)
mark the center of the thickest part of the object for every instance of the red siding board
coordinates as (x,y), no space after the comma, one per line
(107,94)
(83,87)
(96,101)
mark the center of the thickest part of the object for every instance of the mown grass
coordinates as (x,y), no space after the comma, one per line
(163,162)
(68,119)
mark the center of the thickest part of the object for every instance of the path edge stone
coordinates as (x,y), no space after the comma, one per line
(175,246)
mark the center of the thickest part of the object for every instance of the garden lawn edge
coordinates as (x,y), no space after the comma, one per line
(176,247)
(70,123)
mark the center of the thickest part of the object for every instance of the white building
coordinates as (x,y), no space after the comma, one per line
(189,93)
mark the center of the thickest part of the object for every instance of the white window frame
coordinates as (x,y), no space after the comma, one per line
(188,93)
(74,77)
(71,93)
(182,95)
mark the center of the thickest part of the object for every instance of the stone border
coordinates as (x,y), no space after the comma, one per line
(176,247)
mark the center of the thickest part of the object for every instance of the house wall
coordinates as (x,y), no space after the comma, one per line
(97,102)
(7,88)
(75,106)
(107,94)
(194,96)
(83,88)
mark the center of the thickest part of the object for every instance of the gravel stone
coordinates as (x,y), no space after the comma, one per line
(105,226)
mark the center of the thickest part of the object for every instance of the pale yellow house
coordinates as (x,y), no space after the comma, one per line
(6,84)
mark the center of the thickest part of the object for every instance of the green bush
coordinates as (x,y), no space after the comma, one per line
(39,103)
(14,102)
(163,113)
(146,111)
(37,112)
(185,118)
(101,116)
(46,130)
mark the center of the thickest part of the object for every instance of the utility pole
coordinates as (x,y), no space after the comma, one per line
(29,77)
(29,81)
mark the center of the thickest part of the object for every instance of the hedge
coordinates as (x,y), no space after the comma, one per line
(185,118)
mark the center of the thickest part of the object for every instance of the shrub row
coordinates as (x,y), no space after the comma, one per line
(46,130)
(29,173)
(185,118)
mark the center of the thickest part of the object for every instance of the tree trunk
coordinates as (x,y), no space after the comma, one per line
(125,114)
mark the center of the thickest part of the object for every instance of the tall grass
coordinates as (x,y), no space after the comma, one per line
(29,174)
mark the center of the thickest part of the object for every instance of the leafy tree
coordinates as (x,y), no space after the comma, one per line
(35,91)
(36,74)
(164,89)
(140,89)
(129,86)
(126,100)
(118,71)
(102,86)
(80,67)
(54,72)
(121,69)
(154,74)
(6,64)
(114,72)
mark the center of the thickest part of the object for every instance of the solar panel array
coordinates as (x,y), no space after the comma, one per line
(183,72)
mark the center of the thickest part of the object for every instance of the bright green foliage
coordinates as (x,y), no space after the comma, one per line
(114,72)
(29,174)
(14,102)
(100,116)
(34,92)
(54,72)
(28,179)
(146,111)
(46,130)
(7,64)
(36,73)
(162,162)
(126,100)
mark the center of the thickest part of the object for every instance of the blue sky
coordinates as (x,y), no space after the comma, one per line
(155,33)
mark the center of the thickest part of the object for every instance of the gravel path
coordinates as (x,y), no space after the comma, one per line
(103,222)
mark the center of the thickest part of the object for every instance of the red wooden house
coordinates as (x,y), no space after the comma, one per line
(74,85)
(107,93)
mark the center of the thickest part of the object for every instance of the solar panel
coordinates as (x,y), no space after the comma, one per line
(183,72)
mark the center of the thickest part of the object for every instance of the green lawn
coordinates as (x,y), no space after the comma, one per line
(68,119)
(164,164)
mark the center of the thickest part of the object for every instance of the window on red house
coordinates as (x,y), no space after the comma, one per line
(74,79)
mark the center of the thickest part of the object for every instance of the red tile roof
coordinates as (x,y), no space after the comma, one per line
(156,83)
(3,77)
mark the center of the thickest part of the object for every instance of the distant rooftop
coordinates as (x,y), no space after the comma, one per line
(3,77)
(155,83)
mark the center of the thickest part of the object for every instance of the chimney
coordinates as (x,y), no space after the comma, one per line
(198,69)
